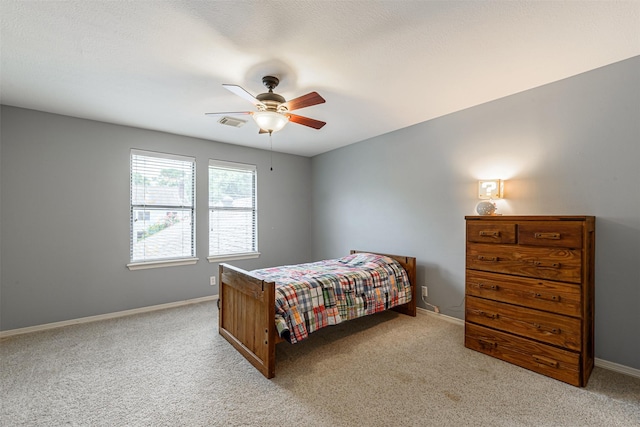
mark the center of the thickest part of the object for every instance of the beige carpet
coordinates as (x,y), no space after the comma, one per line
(171,368)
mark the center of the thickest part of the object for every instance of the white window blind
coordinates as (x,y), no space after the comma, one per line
(162,207)
(233,214)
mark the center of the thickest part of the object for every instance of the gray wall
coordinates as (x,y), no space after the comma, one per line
(571,147)
(65,217)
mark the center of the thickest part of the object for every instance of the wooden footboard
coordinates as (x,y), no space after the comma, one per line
(247,317)
(247,312)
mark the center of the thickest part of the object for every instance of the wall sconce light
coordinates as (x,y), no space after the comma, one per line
(490,189)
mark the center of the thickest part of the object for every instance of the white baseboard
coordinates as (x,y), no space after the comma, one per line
(600,363)
(616,367)
(47,326)
(441,316)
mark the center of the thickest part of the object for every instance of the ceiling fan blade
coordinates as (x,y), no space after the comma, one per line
(231,113)
(242,94)
(303,101)
(306,121)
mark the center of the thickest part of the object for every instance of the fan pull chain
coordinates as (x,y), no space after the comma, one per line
(271,147)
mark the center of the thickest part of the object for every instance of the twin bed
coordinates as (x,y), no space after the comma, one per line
(261,308)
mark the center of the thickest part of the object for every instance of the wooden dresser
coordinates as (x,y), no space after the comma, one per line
(529,292)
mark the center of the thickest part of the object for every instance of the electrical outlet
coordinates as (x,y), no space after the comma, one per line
(212,280)
(425,292)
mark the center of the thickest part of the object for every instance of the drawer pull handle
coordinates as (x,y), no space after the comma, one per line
(489,315)
(494,234)
(487,258)
(487,344)
(555,298)
(543,328)
(546,264)
(489,287)
(546,361)
(551,236)
(485,314)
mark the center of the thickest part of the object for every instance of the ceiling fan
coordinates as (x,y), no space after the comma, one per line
(273,110)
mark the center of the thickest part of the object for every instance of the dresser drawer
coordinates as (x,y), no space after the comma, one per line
(550,233)
(561,264)
(549,328)
(560,364)
(556,297)
(491,232)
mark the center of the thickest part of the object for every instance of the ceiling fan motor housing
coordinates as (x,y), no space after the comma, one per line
(271,100)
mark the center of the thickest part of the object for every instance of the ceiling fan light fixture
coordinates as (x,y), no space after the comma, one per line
(270,120)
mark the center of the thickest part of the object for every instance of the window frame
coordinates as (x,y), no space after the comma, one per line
(140,264)
(223,164)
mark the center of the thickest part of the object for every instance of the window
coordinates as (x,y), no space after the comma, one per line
(233,214)
(162,209)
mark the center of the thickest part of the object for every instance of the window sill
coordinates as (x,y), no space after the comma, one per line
(234,257)
(159,264)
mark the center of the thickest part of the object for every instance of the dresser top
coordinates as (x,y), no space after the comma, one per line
(529,217)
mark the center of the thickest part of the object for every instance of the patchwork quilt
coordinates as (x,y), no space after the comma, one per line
(314,295)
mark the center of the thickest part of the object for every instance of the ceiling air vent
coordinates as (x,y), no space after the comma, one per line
(231,121)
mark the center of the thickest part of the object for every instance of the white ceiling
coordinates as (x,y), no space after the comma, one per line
(380,65)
